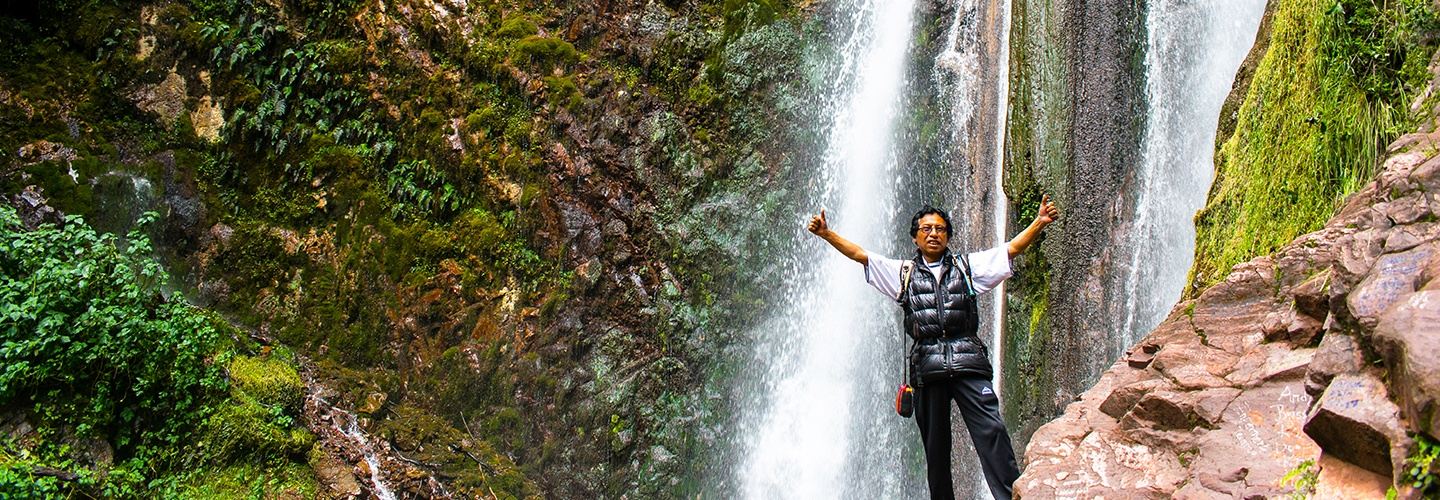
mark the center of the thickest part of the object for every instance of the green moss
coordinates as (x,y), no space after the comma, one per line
(255,259)
(517,27)
(261,420)
(468,457)
(269,380)
(244,480)
(545,53)
(561,91)
(1331,90)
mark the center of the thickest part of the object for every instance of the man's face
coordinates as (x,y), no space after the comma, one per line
(932,236)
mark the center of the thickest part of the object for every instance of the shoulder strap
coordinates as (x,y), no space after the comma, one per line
(907,268)
(963,264)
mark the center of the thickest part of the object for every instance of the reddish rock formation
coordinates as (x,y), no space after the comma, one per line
(1327,351)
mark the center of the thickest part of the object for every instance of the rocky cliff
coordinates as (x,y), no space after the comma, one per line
(498,230)
(1318,358)
(1310,371)
(1075,120)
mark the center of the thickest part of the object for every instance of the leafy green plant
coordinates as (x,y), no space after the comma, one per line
(86,337)
(88,343)
(299,90)
(420,189)
(92,349)
(1303,478)
(1421,467)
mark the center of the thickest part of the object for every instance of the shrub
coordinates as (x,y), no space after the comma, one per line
(87,339)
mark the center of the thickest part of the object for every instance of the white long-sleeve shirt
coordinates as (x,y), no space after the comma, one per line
(988,268)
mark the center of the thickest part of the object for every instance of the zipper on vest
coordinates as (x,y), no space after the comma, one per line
(942,293)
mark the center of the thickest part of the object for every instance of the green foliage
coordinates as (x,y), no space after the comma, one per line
(247,430)
(1330,92)
(292,90)
(1303,478)
(420,189)
(517,27)
(244,480)
(561,91)
(94,351)
(86,338)
(269,381)
(1376,45)
(1421,467)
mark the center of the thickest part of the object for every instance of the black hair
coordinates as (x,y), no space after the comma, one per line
(927,210)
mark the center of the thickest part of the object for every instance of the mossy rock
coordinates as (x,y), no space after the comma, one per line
(470,458)
(268,381)
(248,431)
(261,419)
(245,480)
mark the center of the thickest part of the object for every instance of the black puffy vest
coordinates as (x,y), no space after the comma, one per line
(943,316)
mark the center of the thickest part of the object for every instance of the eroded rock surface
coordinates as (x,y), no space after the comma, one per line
(1274,369)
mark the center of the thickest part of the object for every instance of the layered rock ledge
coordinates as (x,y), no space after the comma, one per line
(1320,360)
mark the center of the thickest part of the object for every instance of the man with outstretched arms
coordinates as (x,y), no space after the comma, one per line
(938,292)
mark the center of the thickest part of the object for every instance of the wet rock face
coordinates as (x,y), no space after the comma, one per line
(1273,367)
(34,209)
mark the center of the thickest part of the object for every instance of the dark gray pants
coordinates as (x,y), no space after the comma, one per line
(981,410)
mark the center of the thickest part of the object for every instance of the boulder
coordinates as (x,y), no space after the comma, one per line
(1121,400)
(1429,273)
(1355,421)
(1312,297)
(1338,354)
(1355,255)
(1408,339)
(1274,361)
(1408,209)
(1394,276)
(1427,175)
(1403,238)
(1141,356)
(336,476)
(1194,366)
(1210,404)
(1165,419)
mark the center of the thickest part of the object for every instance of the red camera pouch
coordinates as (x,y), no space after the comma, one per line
(905,401)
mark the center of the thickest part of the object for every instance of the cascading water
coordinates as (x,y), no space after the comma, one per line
(1194,49)
(969,73)
(820,425)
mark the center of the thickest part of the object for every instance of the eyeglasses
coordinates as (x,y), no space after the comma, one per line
(932,229)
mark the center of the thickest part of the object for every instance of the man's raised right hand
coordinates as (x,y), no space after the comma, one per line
(817,224)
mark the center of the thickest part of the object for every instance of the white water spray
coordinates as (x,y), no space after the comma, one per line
(970,72)
(351,429)
(1001,215)
(821,426)
(1195,47)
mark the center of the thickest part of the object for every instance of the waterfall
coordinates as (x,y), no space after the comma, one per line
(1194,49)
(970,75)
(820,424)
